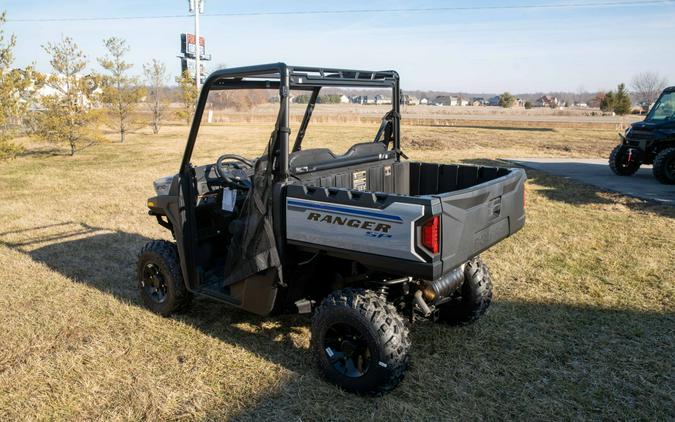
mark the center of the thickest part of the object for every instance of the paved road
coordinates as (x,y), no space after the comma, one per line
(597,173)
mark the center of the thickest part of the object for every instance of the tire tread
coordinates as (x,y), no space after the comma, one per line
(476,296)
(614,165)
(659,169)
(387,322)
(167,252)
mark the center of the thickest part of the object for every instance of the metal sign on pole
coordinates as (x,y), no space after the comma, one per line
(193,46)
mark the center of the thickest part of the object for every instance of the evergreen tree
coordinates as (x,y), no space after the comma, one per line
(607,102)
(506,100)
(622,102)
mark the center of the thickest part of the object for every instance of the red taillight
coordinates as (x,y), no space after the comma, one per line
(430,234)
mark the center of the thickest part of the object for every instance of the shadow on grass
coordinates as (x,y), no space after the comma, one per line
(43,152)
(573,192)
(106,260)
(543,360)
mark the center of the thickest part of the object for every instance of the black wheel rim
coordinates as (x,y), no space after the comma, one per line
(670,168)
(624,162)
(347,350)
(153,282)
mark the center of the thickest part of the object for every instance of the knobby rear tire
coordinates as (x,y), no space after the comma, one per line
(382,328)
(664,166)
(473,298)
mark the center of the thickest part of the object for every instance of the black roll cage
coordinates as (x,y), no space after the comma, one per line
(286,78)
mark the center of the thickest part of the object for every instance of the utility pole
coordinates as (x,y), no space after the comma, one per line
(197,6)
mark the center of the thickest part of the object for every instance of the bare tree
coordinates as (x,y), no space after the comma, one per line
(121,92)
(648,85)
(156,77)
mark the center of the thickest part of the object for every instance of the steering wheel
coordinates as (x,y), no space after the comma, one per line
(220,170)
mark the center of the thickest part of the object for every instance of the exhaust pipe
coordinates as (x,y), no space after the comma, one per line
(421,303)
(444,286)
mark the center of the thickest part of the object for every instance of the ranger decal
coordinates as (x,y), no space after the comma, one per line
(350,222)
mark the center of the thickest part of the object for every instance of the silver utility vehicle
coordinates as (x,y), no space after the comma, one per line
(365,241)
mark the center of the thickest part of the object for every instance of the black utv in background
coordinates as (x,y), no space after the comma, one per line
(651,141)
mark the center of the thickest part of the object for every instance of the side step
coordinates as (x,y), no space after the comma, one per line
(218,292)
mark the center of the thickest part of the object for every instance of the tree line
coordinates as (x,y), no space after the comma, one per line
(75,103)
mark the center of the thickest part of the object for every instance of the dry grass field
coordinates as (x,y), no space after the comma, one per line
(581,326)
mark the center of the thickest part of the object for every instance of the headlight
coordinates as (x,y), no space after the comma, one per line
(162,185)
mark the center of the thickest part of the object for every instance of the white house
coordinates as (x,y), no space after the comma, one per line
(49,90)
(381,99)
(446,100)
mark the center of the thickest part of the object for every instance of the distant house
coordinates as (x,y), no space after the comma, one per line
(445,100)
(493,101)
(580,104)
(478,101)
(344,99)
(547,101)
(519,102)
(409,100)
(363,99)
(48,90)
(424,101)
(381,99)
(463,102)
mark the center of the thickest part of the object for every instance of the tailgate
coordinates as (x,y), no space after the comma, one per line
(476,218)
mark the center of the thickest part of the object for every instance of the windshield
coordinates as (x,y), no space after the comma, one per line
(235,122)
(664,109)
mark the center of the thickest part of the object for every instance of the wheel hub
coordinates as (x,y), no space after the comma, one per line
(153,283)
(348,347)
(347,350)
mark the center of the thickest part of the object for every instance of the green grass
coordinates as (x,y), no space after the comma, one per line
(581,326)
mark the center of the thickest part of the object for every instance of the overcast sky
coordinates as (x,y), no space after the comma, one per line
(488,50)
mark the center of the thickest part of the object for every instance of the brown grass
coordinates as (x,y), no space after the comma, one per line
(581,326)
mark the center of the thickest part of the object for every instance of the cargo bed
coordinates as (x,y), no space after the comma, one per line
(374,213)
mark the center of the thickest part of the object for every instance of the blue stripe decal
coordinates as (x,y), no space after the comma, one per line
(344,210)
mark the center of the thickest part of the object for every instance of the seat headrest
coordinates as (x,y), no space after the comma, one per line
(309,156)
